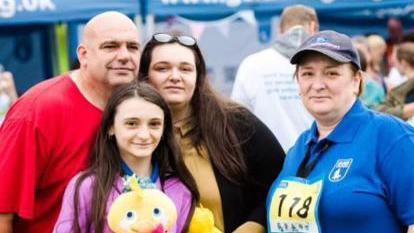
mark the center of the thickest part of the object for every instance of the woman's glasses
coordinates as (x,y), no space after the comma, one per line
(165,38)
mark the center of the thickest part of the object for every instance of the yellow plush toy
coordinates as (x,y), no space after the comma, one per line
(142,211)
(202,221)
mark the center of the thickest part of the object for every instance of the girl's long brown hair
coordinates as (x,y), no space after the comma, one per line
(106,159)
(216,118)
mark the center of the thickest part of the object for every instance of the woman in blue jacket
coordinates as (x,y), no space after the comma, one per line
(352,171)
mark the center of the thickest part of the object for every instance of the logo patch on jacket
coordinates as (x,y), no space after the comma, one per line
(340,170)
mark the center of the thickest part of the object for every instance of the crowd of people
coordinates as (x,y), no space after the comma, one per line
(314,138)
(393,91)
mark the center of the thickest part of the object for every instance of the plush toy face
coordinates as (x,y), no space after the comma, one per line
(143,211)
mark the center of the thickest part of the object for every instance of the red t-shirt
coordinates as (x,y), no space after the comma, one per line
(46,138)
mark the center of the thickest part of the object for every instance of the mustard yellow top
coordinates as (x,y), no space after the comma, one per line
(199,165)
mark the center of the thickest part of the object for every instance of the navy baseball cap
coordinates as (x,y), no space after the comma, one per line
(335,45)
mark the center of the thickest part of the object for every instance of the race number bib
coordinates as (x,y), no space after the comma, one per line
(293,206)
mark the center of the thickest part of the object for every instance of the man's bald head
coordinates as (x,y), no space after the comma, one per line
(110,50)
(106,21)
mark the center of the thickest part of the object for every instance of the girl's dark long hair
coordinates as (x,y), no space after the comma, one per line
(106,159)
(216,118)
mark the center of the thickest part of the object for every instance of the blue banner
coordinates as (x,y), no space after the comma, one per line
(347,16)
(214,8)
(14,12)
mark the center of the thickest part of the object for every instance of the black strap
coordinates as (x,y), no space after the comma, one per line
(305,169)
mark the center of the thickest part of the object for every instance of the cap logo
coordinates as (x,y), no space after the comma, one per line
(322,41)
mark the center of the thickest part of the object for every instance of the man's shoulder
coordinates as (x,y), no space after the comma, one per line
(47,96)
(54,90)
(266,54)
(48,88)
(267,61)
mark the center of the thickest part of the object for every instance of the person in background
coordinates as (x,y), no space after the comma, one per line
(362,44)
(400,100)
(232,155)
(135,139)
(352,170)
(264,82)
(48,134)
(395,77)
(373,92)
(378,48)
(395,36)
(409,37)
(8,93)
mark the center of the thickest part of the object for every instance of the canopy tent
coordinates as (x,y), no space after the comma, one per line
(352,17)
(238,28)
(18,12)
(29,40)
(348,16)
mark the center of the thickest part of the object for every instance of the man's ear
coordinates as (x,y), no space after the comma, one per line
(81,52)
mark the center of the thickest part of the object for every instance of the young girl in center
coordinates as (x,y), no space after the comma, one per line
(135,139)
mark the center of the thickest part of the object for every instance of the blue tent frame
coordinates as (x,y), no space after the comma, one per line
(347,16)
(20,12)
(26,27)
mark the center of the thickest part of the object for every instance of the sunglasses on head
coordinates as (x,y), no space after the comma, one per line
(184,40)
